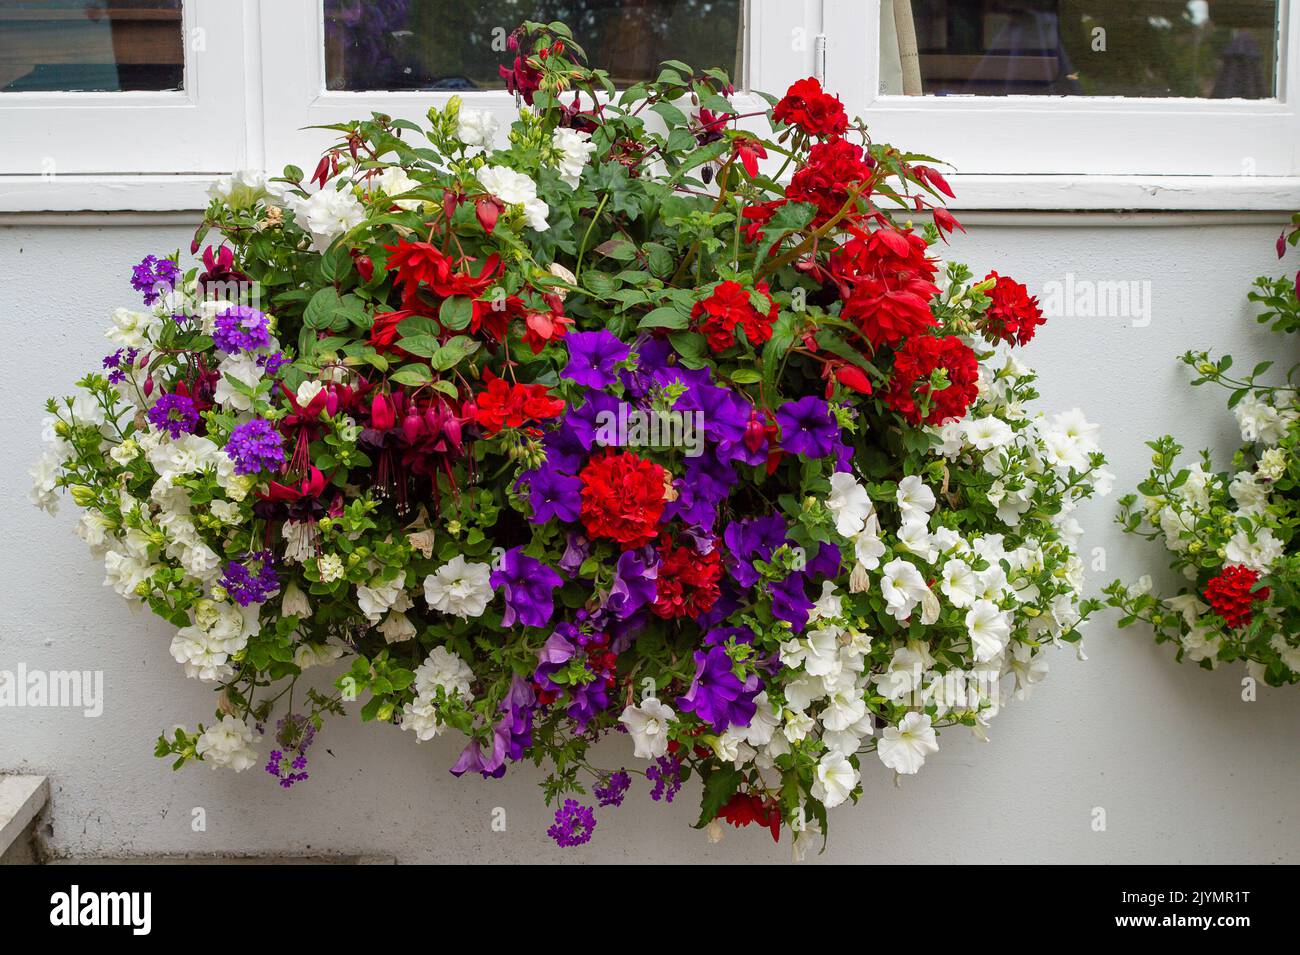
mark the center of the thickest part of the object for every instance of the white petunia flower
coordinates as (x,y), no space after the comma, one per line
(327,214)
(849,503)
(867,545)
(902,587)
(516,189)
(958,583)
(987,433)
(903,748)
(834,780)
(915,500)
(459,588)
(914,538)
(228,743)
(575,150)
(377,598)
(394,181)
(477,128)
(242,368)
(648,725)
(396,628)
(1259,554)
(989,629)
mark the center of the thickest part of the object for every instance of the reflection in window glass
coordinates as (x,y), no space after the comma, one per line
(458,44)
(1151,48)
(90,45)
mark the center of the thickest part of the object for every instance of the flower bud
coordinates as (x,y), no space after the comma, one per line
(382,417)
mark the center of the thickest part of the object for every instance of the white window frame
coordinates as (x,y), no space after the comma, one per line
(201,129)
(1062,152)
(261,81)
(779,48)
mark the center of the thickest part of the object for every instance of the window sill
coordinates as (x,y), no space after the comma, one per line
(188,193)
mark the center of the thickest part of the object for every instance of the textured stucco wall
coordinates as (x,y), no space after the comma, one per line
(1185,770)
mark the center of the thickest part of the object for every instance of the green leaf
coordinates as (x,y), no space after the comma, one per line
(719,786)
(413,374)
(455,312)
(665,317)
(320,310)
(454,352)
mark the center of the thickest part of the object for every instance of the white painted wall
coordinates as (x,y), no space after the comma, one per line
(1185,770)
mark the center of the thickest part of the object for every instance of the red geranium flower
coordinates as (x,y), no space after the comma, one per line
(814,111)
(1014,314)
(745,808)
(1231,597)
(730,305)
(687,585)
(915,361)
(885,277)
(503,405)
(832,169)
(622,498)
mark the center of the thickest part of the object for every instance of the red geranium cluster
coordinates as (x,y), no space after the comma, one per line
(731,304)
(813,110)
(745,808)
(505,405)
(622,498)
(1014,314)
(915,362)
(1231,597)
(886,279)
(833,168)
(688,581)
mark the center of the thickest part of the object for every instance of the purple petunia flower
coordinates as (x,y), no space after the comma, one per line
(255,446)
(592,357)
(248,587)
(154,277)
(717,695)
(241,328)
(613,788)
(574,824)
(529,587)
(554,495)
(174,414)
(807,427)
(790,601)
(634,585)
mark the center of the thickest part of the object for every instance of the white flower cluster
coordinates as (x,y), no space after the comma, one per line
(441,676)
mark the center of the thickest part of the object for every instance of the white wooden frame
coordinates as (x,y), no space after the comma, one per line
(260,81)
(201,129)
(1072,136)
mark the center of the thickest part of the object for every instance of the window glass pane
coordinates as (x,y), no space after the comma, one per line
(1155,48)
(90,45)
(458,44)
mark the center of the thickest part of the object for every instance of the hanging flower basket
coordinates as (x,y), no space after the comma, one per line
(663,420)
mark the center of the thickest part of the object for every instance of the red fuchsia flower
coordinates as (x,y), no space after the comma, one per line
(850,376)
(812,110)
(503,405)
(417,264)
(909,384)
(311,487)
(622,498)
(749,152)
(1232,596)
(219,268)
(488,209)
(1014,314)
(934,179)
(711,126)
(833,168)
(745,808)
(383,333)
(688,582)
(731,304)
(301,424)
(364,265)
(521,78)
(756,218)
